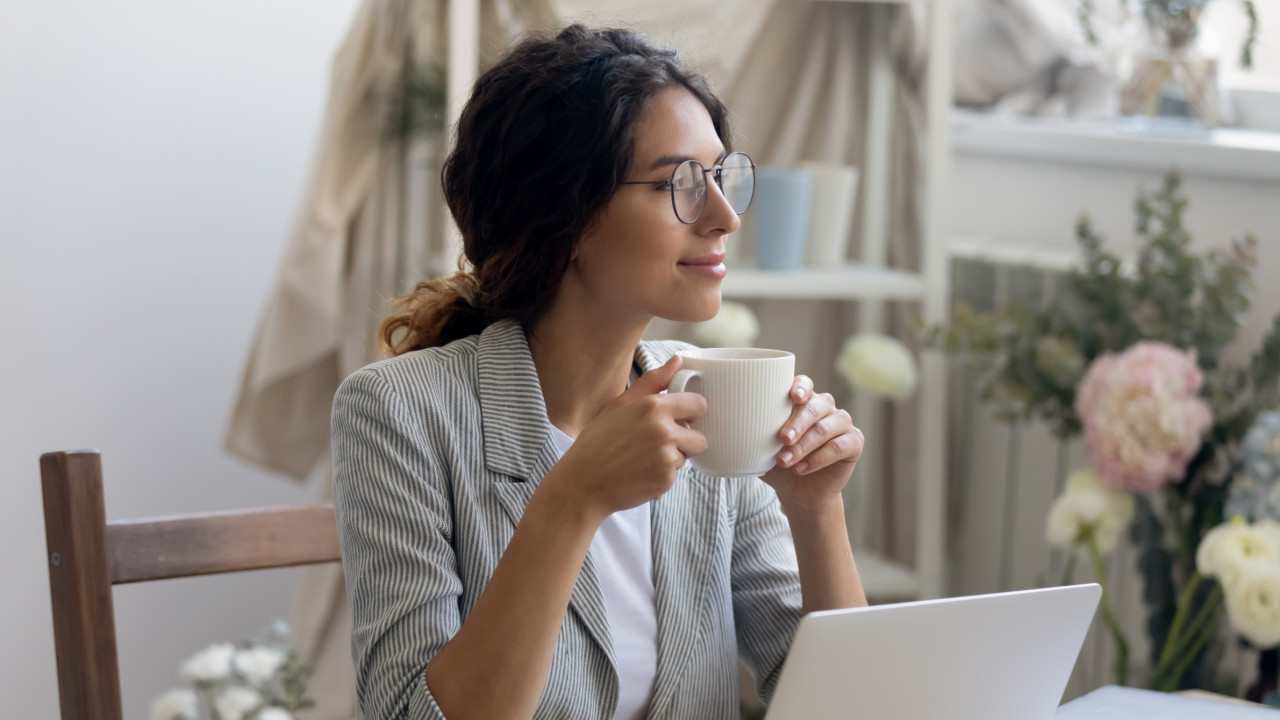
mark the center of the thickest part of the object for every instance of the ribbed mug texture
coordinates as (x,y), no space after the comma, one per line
(747,403)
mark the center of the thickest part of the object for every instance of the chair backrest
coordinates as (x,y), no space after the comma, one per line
(87,555)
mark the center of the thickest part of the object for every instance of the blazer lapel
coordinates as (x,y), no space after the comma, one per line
(684,546)
(518,443)
(685,530)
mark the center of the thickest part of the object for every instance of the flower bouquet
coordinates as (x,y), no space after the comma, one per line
(260,679)
(1131,355)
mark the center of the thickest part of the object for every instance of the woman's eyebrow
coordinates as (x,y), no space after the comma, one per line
(677,159)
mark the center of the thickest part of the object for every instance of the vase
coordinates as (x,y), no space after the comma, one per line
(1172,70)
(782,216)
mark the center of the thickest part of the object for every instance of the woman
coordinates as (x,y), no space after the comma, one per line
(521,534)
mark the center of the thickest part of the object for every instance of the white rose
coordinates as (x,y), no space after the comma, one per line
(274,713)
(176,704)
(734,326)
(1085,502)
(1227,550)
(259,664)
(1253,604)
(209,665)
(236,702)
(878,364)
(1070,514)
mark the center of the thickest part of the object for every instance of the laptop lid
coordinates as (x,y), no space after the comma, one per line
(1005,656)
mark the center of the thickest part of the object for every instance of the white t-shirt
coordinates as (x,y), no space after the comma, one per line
(622,552)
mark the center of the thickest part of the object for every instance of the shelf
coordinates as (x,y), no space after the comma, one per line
(851,282)
(884,580)
(887,2)
(1124,144)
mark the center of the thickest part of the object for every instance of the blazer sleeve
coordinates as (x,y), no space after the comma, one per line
(395,528)
(765,580)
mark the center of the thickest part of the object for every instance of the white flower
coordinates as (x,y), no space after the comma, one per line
(274,713)
(236,702)
(1253,604)
(1085,502)
(1228,550)
(209,665)
(176,704)
(734,326)
(259,664)
(878,364)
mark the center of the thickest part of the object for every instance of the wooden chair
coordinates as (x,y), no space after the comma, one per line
(87,555)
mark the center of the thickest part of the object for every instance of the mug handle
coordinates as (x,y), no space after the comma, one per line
(678,383)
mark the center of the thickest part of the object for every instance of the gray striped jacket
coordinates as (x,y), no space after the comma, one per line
(436,454)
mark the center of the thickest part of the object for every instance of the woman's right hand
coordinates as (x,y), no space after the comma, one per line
(629,454)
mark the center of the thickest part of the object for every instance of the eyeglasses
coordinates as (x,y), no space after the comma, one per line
(736,176)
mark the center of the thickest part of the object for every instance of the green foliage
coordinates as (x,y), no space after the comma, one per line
(417,105)
(1032,359)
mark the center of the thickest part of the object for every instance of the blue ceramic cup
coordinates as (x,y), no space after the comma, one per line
(781,209)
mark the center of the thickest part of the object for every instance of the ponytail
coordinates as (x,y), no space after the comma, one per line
(436,312)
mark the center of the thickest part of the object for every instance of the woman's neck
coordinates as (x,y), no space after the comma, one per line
(583,360)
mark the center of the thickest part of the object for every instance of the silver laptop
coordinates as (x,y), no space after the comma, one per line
(1006,656)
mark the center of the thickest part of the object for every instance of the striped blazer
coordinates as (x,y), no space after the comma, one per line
(436,454)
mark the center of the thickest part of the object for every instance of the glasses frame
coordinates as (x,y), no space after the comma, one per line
(718,169)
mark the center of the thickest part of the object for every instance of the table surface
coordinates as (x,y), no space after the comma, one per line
(1121,703)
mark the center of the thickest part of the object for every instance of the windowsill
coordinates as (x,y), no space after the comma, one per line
(1225,152)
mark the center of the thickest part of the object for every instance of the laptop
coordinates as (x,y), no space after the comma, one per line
(1005,656)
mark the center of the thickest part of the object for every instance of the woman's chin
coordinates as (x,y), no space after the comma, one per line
(694,312)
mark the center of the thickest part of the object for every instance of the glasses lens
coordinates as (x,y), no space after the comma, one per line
(688,191)
(738,181)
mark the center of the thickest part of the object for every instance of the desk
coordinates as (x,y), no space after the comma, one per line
(1121,703)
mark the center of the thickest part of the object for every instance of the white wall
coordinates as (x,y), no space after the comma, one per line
(152,155)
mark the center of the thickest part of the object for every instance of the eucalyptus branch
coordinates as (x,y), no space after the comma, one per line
(1251,38)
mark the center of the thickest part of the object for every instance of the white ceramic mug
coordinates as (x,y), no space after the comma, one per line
(748,401)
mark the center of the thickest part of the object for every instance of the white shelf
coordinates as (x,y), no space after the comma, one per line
(1124,144)
(884,580)
(851,282)
(887,2)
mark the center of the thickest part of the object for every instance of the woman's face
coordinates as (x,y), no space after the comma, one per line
(638,258)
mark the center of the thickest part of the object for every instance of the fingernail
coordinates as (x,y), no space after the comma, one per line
(789,435)
(802,468)
(786,457)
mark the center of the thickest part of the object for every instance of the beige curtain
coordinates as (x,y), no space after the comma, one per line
(354,244)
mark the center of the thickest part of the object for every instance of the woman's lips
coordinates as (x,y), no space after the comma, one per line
(709,266)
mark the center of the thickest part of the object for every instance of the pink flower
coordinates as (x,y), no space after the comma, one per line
(1142,418)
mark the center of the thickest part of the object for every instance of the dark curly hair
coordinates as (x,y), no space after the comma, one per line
(542,144)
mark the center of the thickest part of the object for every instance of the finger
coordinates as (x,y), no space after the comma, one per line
(804,416)
(654,381)
(801,389)
(685,406)
(815,436)
(846,447)
(690,442)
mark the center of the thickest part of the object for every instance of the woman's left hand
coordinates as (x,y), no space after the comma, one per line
(820,446)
